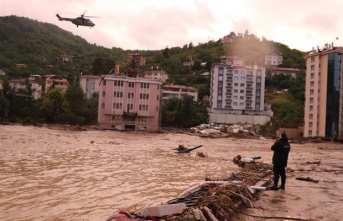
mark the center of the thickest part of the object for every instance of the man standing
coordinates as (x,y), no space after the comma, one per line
(281,150)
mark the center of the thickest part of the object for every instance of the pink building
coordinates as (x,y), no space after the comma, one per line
(129,103)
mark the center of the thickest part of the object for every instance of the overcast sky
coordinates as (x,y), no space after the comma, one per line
(157,24)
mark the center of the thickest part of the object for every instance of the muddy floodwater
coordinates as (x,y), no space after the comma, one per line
(63,174)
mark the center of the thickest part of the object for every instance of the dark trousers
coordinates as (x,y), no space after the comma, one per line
(279,172)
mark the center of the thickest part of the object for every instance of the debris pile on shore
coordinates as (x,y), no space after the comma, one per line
(223,130)
(210,200)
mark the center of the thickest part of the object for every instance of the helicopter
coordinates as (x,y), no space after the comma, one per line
(81,20)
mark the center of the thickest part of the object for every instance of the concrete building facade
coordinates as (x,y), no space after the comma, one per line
(237,94)
(324,93)
(129,103)
(273,59)
(178,91)
(90,84)
(156,74)
(21,84)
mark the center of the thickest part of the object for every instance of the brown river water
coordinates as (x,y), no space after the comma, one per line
(62,174)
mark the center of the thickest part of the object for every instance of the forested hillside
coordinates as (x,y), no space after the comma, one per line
(38,45)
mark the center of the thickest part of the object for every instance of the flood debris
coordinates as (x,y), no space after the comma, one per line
(183,149)
(308,179)
(212,199)
(201,154)
(224,130)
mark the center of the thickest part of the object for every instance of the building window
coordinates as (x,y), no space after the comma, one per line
(311,100)
(117,105)
(310,124)
(312,75)
(312,67)
(310,116)
(129,107)
(310,132)
(118,94)
(103,105)
(235,97)
(235,78)
(241,91)
(311,107)
(104,82)
(130,95)
(241,97)
(144,85)
(312,59)
(131,84)
(144,96)
(241,104)
(242,84)
(118,83)
(143,107)
(312,83)
(235,84)
(234,103)
(242,78)
(103,93)
(220,78)
(311,91)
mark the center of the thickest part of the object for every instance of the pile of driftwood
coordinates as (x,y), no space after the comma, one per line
(213,199)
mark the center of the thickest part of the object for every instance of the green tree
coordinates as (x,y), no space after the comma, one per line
(183,113)
(74,105)
(4,106)
(52,105)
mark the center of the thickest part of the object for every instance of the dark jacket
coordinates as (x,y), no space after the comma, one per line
(281,150)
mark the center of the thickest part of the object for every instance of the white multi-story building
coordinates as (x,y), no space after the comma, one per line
(90,84)
(237,94)
(178,91)
(273,59)
(21,84)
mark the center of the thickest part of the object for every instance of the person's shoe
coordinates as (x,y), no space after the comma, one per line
(282,187)
(274,188)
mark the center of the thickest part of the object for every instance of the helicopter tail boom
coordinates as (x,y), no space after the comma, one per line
(59,17)
(63,19)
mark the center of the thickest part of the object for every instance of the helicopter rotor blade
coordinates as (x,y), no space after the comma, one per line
(92,16)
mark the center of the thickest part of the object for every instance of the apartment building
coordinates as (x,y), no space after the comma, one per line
(324,93)
(129,103)
(237,94)
(137,58)
(90,84)
(156,74)
(21,84)
(55,81)
(273,59)
(292,72)
(178,91)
